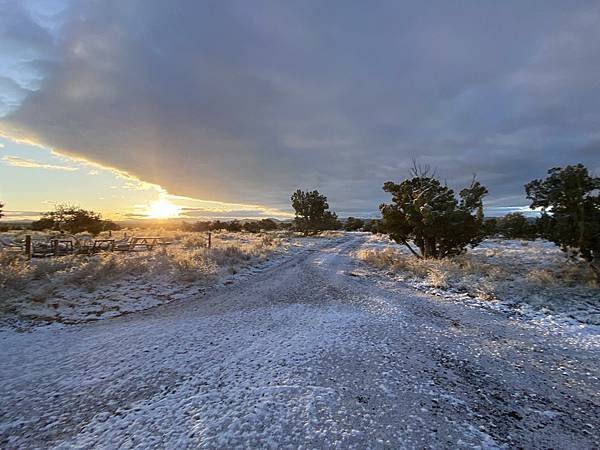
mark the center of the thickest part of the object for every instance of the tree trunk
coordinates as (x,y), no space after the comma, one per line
(411,249)
(596,270)
(429,248)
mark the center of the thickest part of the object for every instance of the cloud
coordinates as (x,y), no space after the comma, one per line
(243,103)
(16,161)
(22,215)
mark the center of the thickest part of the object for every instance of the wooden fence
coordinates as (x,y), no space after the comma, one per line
(60,245)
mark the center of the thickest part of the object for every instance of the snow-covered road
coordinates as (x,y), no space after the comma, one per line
(311,353)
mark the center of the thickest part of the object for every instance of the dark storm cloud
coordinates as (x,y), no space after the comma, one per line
(246,101)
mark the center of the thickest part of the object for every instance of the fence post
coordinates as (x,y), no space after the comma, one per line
(55,247)
(209,239)
(28,249)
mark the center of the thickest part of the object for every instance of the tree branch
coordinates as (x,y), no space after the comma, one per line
(405,242)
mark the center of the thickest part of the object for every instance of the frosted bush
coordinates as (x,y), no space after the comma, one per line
(58,282)
(541,277)
(537,273)
(438,278)
(13,269)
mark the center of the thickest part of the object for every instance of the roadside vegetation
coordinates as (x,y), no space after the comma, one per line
(502,273)
(76,287)
(549,263)
(427,215)
(427,234)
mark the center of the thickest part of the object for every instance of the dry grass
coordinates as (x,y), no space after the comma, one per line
(78,287)
(330,234)
(523,270)
(186,260)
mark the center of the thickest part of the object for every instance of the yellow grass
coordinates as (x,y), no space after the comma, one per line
(187,259)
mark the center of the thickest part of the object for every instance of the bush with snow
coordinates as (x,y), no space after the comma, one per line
(107,284)
(518,273)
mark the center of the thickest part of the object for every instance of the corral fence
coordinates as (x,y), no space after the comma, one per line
(66,244)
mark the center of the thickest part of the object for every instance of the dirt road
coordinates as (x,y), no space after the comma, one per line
(312,353)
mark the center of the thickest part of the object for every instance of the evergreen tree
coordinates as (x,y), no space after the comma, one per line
(234,226)
(73,219)
(427,213)
(312,212)
(490,226)
(353,224)
(516,226)
(570,202)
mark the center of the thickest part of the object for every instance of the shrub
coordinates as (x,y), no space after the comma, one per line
(259,225)
(372,225)
(353,224)
(490,227)
(516,226)
(197,226)
(218,225)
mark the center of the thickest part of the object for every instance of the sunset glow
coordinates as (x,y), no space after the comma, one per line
(163,209)
(129,119)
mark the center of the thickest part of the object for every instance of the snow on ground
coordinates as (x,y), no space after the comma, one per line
(313,352)
(79,288)
(533,280)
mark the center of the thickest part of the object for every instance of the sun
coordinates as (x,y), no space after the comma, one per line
(163,209)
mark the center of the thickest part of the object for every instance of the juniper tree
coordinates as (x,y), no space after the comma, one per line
(234,226)
(73,219)
(312,212)
(516,226)
(427,213)
(251,227)
(218,225)
(330,221)
(490,226)
(570,202)
(353,224)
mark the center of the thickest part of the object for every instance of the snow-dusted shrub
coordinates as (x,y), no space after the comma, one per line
(193,241)
(438,278)
(79,287)
(503,270)
(13,266)
(541,277)
(438,271)
(185,264)
(331,234)
(187,259)
(267,240)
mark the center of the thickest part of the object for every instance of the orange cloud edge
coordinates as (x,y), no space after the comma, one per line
(209,208)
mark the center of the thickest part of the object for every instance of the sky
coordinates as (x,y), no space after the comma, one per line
(224,108)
